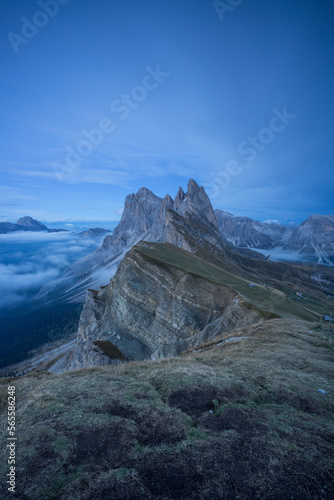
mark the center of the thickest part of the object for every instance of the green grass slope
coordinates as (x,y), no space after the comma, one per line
(266,298)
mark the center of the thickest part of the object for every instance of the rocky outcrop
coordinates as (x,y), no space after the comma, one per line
(195,203)
(154,310)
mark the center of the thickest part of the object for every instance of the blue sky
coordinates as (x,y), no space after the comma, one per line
(241,100)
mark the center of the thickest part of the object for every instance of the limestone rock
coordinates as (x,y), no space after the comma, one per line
(154,310)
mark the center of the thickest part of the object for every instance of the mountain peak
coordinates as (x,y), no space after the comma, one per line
(193,187)
(320,224)
(195,202)
(167,202)
(179,196)
(317,217)
(26,220)
(143,191)
(168,198)
(32,224)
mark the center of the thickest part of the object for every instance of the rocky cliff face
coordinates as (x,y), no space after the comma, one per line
(141,212)
(153,310)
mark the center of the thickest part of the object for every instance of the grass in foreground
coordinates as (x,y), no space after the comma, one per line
(240,420)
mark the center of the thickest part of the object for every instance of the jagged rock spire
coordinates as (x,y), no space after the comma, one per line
(195,202)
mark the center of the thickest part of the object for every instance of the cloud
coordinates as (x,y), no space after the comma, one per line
(17,281)
(76,248)
(30,237)
(46,174)
(30,260)
(60,260)
(281,255)
(8,193)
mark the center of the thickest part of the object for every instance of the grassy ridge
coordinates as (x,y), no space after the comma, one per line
(265,298)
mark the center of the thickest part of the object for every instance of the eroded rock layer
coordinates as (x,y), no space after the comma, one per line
(154,310)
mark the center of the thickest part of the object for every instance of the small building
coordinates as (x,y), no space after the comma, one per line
(300,294)
(251,284)
(327,318)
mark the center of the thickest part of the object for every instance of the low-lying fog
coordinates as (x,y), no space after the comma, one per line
(281,255)
(29,260)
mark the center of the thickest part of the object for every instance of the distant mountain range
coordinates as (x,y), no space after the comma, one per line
(315,236)
(33,225)
(26,224)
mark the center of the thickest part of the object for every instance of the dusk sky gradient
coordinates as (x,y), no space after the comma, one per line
(222,80)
